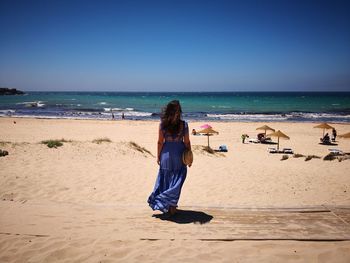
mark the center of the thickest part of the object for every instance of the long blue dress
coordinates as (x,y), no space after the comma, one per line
(172,172)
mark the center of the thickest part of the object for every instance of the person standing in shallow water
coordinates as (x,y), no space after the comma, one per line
(173,139)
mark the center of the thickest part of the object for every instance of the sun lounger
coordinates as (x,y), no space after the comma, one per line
(335,151)
(222,148)
(284,150)
(287,150)
(272,150)
(253,140)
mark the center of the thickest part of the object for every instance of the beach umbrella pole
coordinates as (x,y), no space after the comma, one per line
(208,141)
(278,143)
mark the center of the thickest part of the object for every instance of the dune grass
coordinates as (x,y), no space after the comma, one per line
(3,143)
(309,157)
(200,149)
(208,150)
(345,157)
(284,157)
(298,155)
(139,148)
(53,143)
(330,157)
(101,140)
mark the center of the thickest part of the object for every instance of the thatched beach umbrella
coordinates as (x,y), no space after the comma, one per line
(324,126)
(208,132)
(205,126)
(279,135)
(265,128)
(345,136)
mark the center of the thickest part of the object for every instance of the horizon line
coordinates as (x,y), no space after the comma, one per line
(225,91)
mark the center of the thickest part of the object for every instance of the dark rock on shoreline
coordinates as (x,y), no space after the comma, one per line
(7,91)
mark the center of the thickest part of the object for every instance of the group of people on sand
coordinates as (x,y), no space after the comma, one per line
(327,139)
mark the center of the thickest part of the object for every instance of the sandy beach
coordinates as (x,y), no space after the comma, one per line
(96,193)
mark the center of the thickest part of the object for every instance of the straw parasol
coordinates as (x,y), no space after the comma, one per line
(345,136)
(324,126)
(205,126)
(279,135)
(208,132)
(265,128)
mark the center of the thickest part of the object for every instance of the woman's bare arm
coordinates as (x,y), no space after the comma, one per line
(187,140)
(160,144)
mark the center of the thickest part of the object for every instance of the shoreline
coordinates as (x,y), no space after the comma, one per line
(154,120)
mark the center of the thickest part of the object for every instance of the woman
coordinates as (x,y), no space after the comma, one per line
(173,139)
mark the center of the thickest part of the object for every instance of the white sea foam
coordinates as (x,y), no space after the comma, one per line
(248,117)
(102,103)
(279,117)
(138,114)
(118,109)
(6,112)
(221,107)
(32,103)
(40,104)
(318,115)
(130,114)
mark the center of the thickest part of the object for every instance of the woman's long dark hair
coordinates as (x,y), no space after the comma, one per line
(171,117)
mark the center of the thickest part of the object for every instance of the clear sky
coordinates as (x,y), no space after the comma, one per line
(175,45)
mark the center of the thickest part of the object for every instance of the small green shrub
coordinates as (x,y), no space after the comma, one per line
(53,143)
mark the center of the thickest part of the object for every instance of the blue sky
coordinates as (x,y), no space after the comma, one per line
(175,45)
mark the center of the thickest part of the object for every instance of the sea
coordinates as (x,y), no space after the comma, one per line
(196,106)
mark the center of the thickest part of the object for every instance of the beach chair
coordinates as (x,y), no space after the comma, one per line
(223,148)
(287,150)
(272,150)
(253,140)
(262,139)
(334,151)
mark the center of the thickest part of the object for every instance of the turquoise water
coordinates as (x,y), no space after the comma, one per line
(228,106)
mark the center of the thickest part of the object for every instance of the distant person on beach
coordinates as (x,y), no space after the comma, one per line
(112,116)
(194,132)
(334,133)
(244,136)
(123,116)
(173,139)
(326,138)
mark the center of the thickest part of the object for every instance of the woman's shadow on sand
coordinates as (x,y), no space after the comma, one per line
(186,217)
